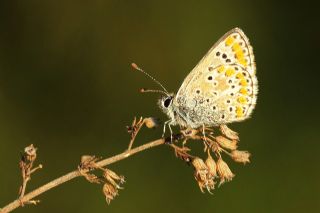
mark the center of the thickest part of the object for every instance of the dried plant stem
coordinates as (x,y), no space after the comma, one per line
(133,137)
(26,180)
(76,173)
(23,187)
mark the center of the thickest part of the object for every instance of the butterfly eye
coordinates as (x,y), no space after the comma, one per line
(167,102)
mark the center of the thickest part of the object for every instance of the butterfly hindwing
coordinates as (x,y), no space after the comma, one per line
(222,88)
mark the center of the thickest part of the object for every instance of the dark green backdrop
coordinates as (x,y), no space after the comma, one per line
(66,86)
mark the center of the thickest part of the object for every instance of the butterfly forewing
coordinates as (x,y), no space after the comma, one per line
(222,88)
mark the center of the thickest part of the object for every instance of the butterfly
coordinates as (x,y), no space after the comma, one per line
(222,88)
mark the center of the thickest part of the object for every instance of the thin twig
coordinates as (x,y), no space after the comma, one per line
(76,173)
(26,165)
(137,126)
(23,187)
(36,168)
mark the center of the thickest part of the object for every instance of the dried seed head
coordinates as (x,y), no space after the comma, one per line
(212,167)
(110,192)
(240,156)
(201,174)
(151,122)
(110,189)
(210,185)
(198,164)
(110,174)
(227,143)
(87,158)
(229,133)
(30,153)
(30,150)
(88,162)
(91,177)
(224,171)
(113,178)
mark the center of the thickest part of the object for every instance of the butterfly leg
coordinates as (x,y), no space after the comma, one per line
(204,132)
(164,129)
(205,142)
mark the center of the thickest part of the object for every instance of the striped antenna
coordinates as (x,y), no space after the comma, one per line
(143,90)
(135,66)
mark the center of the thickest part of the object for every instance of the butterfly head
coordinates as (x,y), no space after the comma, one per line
(165,102)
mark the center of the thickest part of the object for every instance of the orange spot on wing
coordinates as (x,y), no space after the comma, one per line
(236,47)
(239,54)
(243,91)
(243,62)
(242,100)
(240,75)
(230,72)
(239,111)
(229,41)
(243,82)
(221,69)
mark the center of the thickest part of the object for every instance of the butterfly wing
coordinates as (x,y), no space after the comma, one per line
(223,87)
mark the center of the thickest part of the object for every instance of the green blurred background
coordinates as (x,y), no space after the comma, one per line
(66,85)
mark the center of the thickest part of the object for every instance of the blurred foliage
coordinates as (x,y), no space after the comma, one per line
(66,86)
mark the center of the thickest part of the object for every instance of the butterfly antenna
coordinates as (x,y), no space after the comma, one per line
(143,90)
(135,66)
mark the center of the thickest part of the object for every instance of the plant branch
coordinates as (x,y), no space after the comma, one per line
(76,173)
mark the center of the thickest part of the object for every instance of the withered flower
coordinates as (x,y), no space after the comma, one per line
(227,143)
(88,162)
(229,133)
(109,191)
(30,153)
(113,178)
(201,175)
(224,171)
(212,167)
(240,156)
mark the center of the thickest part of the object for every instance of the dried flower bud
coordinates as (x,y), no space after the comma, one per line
(110,192)
(88,162)
(224,171)
(229,133)
(87,158)
(210,185)
(199,165)
(212,167)
(30,153)
(202,176)
(240,156)
(91,177)
(113,178)
(226,143)
(151,122)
